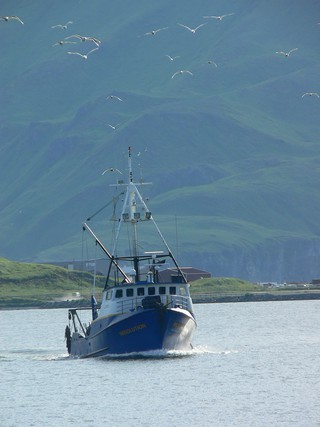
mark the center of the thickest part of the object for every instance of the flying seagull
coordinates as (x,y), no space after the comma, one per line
(311,94)
(193,30)
(111,170)
(219,17)
(154,32)
(85,39)
(212,63)
(182,72)
(83,56)
(62,26)
(113,127)
(114,97)
(62,42)
(172,58)
(11,18)
(287,53)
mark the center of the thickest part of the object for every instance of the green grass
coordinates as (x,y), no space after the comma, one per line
(237,143)
(24,285)
(222,285)
(30,284)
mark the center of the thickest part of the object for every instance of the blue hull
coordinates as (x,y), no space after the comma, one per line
(141,331)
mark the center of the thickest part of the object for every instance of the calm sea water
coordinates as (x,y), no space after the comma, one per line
(254,364)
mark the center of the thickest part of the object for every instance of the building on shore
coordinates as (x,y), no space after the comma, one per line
(100,266)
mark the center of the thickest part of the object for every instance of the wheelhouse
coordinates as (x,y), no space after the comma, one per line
(125,298)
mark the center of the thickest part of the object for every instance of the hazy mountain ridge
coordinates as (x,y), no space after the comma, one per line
(235,141)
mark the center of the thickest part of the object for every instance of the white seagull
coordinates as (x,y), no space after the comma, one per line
(62,26)
(172,58)
(154,32)
(193,30)
(212,63)
(219,17)
(111,170)
(11,18)
(287,53)
(311,94)
(85,39)
(113,127)
(83,56)
(62,42)
(114,97)
(182,72)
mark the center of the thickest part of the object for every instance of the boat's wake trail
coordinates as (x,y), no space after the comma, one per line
(32,354)
(164,354)
(202,349)
(53,357)
(152,354)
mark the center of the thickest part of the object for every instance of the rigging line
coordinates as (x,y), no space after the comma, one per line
(95,270)
(177,237)
(111,257)
(129,240)
(114,219)
(114,200)
(82,263)
(85,261)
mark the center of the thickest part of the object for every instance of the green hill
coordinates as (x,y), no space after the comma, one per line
(33,285)
(232,150)
(29,284)
(227,285)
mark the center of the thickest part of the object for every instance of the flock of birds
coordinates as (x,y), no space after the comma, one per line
(73,39)
(76,38)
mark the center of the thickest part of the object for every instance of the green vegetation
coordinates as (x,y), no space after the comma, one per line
(232,151)
(222,285)
(27,284)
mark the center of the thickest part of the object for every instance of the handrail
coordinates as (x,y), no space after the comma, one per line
(169,301)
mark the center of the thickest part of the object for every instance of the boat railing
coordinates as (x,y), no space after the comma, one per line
(167,301)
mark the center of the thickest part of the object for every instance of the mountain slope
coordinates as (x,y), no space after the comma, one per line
(232,150)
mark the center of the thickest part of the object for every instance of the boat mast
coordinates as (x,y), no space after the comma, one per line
(132,211)
(130,214)
(132,205)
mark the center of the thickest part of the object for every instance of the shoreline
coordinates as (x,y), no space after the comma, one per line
(256,297)
(213,298)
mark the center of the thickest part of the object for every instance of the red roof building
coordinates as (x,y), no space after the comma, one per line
(192,274)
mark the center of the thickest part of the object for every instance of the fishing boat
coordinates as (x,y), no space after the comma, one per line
(141,310)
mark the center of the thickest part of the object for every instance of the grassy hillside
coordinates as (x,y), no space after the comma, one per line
(28,284)
(33,284)
(223,285)
(232,150)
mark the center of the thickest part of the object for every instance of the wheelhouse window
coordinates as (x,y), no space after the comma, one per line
(151,290)
(162,290)
(119,293)
(183,291)
(108,295)
(172,290)
(140,292)
(129,292)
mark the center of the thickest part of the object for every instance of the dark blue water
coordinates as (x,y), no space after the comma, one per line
(254,364)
